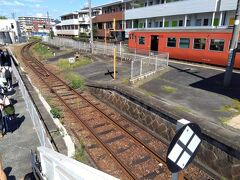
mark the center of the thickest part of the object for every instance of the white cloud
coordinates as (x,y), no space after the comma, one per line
(13,3)
(39,15)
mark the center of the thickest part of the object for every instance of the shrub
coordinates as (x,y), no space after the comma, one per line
(75,80)
(42,51)
(64,64)
(56,112)
(80,153)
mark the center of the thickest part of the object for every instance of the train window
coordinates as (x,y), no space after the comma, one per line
(217,45)
(141,40)
(184,43)
(199,43)
(171,42)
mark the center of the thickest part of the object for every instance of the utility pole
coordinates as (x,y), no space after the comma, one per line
(233,47)
(91,26)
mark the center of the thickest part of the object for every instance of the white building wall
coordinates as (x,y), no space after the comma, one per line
(5,25)
(227,5)
(70,22)
(229,15)
(174,8)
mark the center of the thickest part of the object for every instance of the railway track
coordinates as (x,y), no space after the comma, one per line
(136,154)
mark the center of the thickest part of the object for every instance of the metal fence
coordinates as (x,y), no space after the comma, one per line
(143,62)
(38,124)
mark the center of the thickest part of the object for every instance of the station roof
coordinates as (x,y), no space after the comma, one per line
(227,29)
(112,3)
(72,13)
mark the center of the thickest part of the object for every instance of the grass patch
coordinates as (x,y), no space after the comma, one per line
(224,120)
(148,94)
(124,69)
(34,38)
(76,81)
(57,112)
(169,89)
(65,65)
(80,154)
(126,81)
(180,108)
(234,107)
(42,51)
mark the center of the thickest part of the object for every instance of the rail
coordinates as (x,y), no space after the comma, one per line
(76,104)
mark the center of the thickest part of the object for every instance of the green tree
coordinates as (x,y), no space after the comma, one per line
(3,17)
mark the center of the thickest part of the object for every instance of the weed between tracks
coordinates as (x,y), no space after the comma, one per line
(57,112)
(42,51)
(76,81)
(80,153)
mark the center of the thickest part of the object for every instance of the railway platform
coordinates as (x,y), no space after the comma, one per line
(20,139)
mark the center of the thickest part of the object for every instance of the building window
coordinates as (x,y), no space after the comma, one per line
(141,40)
(216,22)
(199,43)
(205,22)
(141,25)
(135,24)
(166,24)
(171,42)
(184,43)
(160,24)
(149,24)
(156,24)
(128,24)
(180,23)
(198,22)
(217,45)
(174,23)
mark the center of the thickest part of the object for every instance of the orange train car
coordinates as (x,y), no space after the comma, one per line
(203,46)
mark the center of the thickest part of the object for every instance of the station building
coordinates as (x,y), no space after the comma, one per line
(147,14)
(133,15)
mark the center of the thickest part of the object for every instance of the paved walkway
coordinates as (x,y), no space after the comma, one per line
(191,88)
(15,146)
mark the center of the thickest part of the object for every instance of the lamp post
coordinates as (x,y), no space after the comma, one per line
(91,26)
(233,47)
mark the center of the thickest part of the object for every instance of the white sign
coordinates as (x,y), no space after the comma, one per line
(71,60)
(184,148)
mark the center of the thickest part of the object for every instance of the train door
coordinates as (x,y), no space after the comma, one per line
(154,43)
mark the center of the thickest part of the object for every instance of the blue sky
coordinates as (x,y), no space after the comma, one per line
(40,7)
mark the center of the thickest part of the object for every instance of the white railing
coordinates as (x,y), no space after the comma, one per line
(38,124)
(56,166)
(143,62)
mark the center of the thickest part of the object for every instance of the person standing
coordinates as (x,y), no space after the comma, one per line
(7,73)
(4,101)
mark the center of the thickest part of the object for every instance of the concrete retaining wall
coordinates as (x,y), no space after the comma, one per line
(219,153)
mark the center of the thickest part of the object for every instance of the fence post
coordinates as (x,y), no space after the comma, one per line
(135,54)
(121,51)
(132,62)
(167,59)
(141,67)
(156,63)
